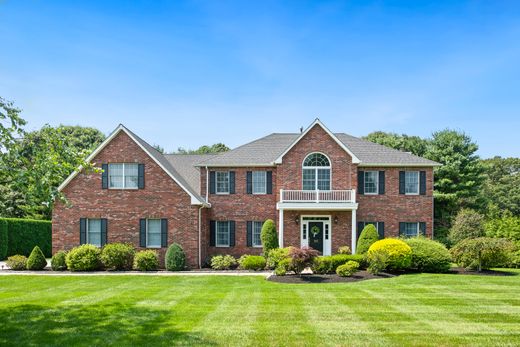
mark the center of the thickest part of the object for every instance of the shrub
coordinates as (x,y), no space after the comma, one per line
(399,253)
(275,256)
(328,264)
(3,239)
(24,234)
(515,259)
(147,260)
(344,250)
(302,258)
(83,258)
(506,227)
(368,236)
(252,262)
(223,262)
(482,253)
(378,261)
(118,256)
(429,255)
(175,259)
(468,224)
(268,236)
(283,267)
(17,262)
(58,261)
(348,269)
(36,260)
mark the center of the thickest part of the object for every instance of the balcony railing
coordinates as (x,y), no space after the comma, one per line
(318,196)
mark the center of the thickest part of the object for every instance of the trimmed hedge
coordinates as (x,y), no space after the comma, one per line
(118,256)
(147,260)
(347,269)
(58,261)
(83,258)
(328,264)
(36,260)
(24,234)
(399,253)
(367,237)
(429,255)
(3,239)
(252,262)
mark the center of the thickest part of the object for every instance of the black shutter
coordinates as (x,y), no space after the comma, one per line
(249,182)
(361,182)
(422,229)
(269,178)
(249,234)
(401,182)
(104,176)
(140,178)
(360,226)
(164,232)
(422,182)
(103,231)
(82,231)
(231,182)
(212,182)
(212,232)
(381,230)
(401,228)
(381,182)
(231,233)
(142,232)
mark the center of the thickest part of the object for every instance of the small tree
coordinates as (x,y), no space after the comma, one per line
(482,253)
(468,224)
(302,258)
(268,236)
(366,239)
(36,260)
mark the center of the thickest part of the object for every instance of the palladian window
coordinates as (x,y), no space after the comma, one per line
(316,172)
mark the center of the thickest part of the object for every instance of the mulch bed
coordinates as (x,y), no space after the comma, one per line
(309,278)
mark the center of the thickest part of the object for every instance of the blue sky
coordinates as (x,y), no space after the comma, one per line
(193,73)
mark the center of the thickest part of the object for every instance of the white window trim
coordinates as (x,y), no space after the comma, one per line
(253,183)
(418,183)
(88,234)
(124,177)
(253,233)
(418,225)
(216,183)
(216,234)
(147,245)
(316,168)
(377,183)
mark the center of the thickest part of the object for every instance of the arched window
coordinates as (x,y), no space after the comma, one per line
(316,172)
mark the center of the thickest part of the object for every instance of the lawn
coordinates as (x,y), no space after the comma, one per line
(220,310)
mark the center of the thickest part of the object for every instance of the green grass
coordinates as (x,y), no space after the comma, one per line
(425,310)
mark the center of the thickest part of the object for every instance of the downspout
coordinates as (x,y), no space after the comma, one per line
(207,184)
(200,235)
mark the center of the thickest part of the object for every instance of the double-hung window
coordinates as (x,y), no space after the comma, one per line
(123,175)
(222,182)
(371,182)
(222,234)
(411,229)
(257,230)
(94,232)
(259,179)
(411,182)
(153,233)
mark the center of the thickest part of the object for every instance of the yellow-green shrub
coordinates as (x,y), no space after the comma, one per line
(398,252)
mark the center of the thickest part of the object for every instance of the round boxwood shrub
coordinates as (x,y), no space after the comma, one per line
(223,262)
(252,262)
(175,259)
(398,252)
(118,256)
(147,260)
(348,269)
(17,262)
(83,258)
(429,255)
(366,239)
(58,261)
(275,256)
(268,236)
(36,260)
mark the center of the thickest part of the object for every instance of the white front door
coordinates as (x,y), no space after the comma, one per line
(316,232)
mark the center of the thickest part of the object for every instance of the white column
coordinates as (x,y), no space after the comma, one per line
(354,226)
(280,229)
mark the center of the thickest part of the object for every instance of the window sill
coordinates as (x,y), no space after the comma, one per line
(226,193)
(113,188)
(154,247)
(412,194)
(370,193)
(222,246)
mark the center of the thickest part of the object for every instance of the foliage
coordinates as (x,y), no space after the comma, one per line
(502,184)
(275,256)
(223,262)
(506,226)
(118,256)
(17,262)
(378,261)
(268,236)
(147,260)
(429,255)
(3,239)
(215,148)
(328,264)
(347,269)
(252,262)
(36,260)
(83,258)
(405,143)
(301,258)
(344,250)
(58,261)
(399,253)
(482,253)
(24,234)
(468,224)
(175,259)
(284,266)
(368,236)
(11,124)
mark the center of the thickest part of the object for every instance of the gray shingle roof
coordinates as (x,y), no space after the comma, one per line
(185,165)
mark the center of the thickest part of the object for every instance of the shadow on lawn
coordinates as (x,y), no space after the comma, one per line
(115,324)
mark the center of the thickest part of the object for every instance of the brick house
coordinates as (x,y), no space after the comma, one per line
(320,187)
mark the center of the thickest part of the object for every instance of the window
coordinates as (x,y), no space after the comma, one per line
(257,230)
(222,180)
(411,229)
(123,176)
(259,182)
(222,234)
(153,233)
(316,172)
(371,182)
(94,232)
(411,182)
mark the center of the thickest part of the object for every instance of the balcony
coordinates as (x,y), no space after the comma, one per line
(318,196)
